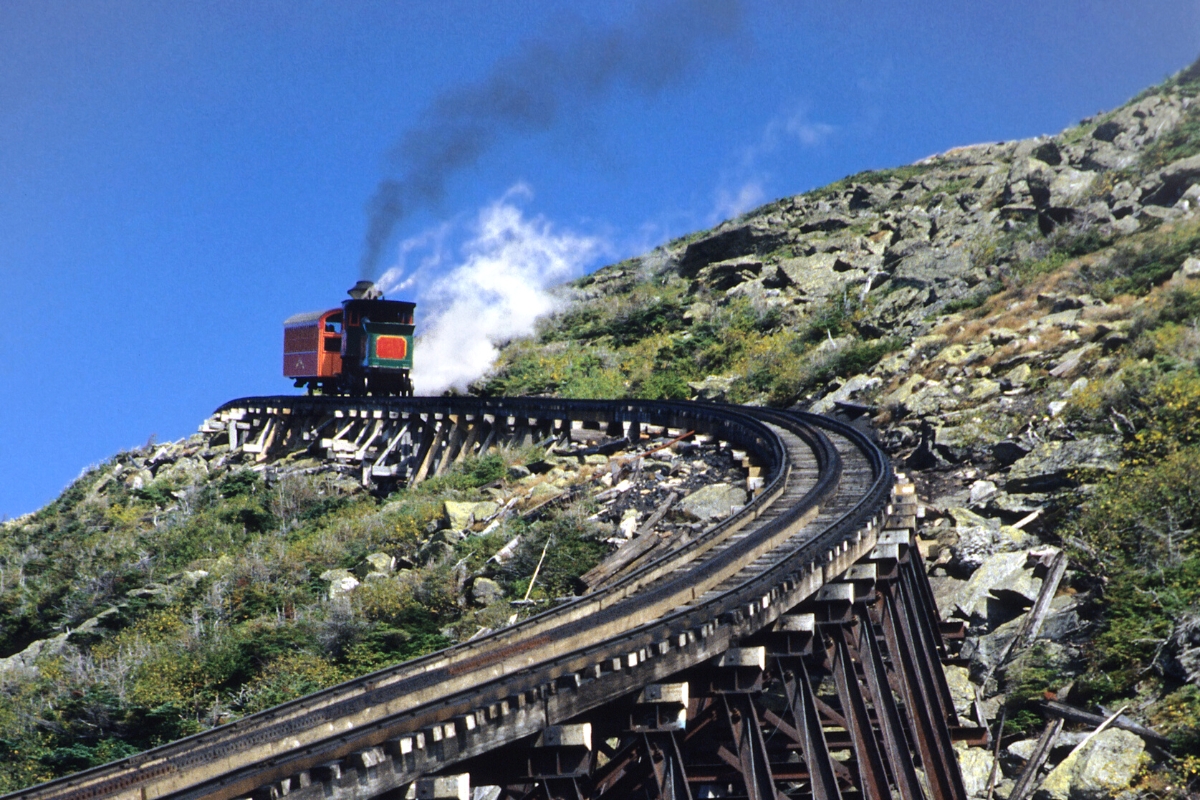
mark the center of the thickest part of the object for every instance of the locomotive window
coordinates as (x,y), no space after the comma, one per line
(333,326)
(333,344)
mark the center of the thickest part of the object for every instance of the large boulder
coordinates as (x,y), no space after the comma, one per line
(1070,186)
(962,691)
(1000,578)
(1102,768)
(930,400)
(377,563)
(485,591)
(980,537)
(975,764)
(714,501)
(1058,465)
(22,664)
(739,240)
(814,276)
(847,392)
(714,387)
(463,515)
(341,582)
(1173,180)
(1182,656)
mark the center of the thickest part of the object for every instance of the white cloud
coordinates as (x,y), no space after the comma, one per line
(809,134)
(749,176)
(495,292)
(731,203)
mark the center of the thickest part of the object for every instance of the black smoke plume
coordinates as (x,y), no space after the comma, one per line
(525,93)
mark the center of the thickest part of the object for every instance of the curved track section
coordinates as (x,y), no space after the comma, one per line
(824,493)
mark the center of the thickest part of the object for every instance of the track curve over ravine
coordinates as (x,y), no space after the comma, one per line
(825,493)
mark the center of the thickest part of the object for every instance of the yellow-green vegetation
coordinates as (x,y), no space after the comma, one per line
(646,346)
(193,603)
(1137,533)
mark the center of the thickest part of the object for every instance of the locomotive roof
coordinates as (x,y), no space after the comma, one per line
(307,316)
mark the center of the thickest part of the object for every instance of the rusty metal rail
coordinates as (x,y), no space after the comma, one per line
(825,501)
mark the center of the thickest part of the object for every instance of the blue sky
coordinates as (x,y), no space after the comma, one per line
(177,178)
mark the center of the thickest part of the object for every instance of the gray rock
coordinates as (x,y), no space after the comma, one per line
(1072,363)
(984,389)
(1100,769)
(958,442)
(485,591)
(731,242)
(1182,654)
(545,491)
(725,275)
(1063,620)
(713,501)
(985,649)
(1017,505)
(188,471)
(341,582)
(981,492)
(931,399)
(1057,465)
(814,276)
(962,691)
(850,390)
(23,663)
(1070,186)
(381,562)
(980,537)
(714,387)
(461,515)
(518,471)
(435,552)
(1008,452)
(1173,180)
(961,354)
(1003,572)
(975,764)
(1066,740)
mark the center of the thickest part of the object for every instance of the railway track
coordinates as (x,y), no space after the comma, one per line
(820,503)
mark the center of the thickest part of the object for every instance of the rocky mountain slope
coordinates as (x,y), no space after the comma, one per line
(1021,322)
(183,585)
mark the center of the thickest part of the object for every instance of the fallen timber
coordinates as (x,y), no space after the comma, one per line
(703,671)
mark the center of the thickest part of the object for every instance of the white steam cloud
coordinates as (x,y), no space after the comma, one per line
(495,293)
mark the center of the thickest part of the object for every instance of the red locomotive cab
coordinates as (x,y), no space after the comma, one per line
(312,345)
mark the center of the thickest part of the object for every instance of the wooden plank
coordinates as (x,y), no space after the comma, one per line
(1041,607)
(428,448)
(1079,716)
(469,443)
(1028,780)
(452,446)
(1037,615)
(642,541)
(376,429)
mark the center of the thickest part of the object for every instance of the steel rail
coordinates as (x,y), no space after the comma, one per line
(486,670)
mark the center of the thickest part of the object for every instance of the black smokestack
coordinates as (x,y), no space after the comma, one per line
(525,94)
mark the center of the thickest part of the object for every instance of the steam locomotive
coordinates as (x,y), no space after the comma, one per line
(364,347)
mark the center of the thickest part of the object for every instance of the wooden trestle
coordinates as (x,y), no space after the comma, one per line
(842,697)
(791,650)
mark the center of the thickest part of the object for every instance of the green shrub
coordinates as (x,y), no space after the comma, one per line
(1137,266)
(241,482)
(575,546)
